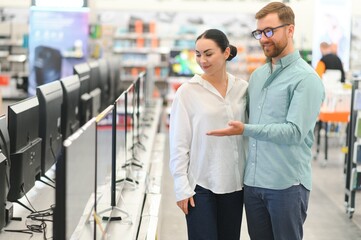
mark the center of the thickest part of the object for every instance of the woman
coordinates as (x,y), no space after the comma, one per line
(208,171)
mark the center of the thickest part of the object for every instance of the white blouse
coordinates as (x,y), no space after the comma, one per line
(215,163)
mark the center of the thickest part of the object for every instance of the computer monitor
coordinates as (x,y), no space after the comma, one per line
(85,101)
(70,107)
(114,72)
(50,97)
(94,74)
(96,101)
(4,137)
(83,72)
(183,63)
(104,151)
(3,190)
(105,83)
(85,108)
(25,147)
(4,169)
(75,182)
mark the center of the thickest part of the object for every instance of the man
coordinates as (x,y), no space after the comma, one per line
(329,60)
(285,96)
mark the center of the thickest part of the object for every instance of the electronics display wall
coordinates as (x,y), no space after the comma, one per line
(76,205)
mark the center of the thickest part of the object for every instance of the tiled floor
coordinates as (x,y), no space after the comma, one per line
(327,218)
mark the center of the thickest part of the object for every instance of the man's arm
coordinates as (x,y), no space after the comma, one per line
(235,128)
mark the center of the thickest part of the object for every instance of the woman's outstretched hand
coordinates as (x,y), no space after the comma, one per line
(235,128)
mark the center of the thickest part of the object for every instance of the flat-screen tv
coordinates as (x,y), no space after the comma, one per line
(4,169)
(25,147)
(85,108)
(107,97)
(50,98)
(75,183)
(3,190)
(94,74)
(85,100)
(70,107)
(105,151)
(96,101)
(4,137)
(183,63)
(83,72)
(114,72)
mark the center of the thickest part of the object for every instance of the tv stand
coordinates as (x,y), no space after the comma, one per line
(25,167)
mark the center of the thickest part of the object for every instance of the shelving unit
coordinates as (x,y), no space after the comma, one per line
(13,68)
(353,158)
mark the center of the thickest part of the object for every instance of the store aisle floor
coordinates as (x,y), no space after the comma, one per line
(327,219)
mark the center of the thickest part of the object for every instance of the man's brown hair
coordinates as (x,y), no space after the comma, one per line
(284,12)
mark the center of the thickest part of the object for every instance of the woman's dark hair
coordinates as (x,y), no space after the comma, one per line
(220,39)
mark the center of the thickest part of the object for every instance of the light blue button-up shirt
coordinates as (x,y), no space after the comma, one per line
(284,104)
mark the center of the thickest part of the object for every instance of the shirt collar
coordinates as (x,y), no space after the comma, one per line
(286,60)
(198,79)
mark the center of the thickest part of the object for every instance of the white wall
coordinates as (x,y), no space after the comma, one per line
(304,10)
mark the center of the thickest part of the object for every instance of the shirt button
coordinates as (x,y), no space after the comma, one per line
(259,107)
(253,145)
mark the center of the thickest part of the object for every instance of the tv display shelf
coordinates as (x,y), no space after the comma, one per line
(141,220)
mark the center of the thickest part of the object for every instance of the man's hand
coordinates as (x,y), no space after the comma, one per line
(235,128)
(183,204)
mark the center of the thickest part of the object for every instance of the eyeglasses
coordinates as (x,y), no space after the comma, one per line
(268,32)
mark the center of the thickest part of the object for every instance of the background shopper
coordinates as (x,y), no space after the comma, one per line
(329,60)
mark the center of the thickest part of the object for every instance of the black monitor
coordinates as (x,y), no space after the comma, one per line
(96,101)
(94,74)
(83,72)
(70,106)
(3,190)
(85,108)
(105,151)
(115,83)
(75,181)
(4,169)
(50,97)
(4,137)
(105,83)
(25,147)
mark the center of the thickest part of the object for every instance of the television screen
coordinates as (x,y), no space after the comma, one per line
(75,183)
(85,108)
(83,72)
(25,146)
(4,137)
(96,101)
(3,190)
(50,97)
(4,169)
(105,151)
(105,83)
(183,63)
(70,106)
(114,72)
(94,74)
